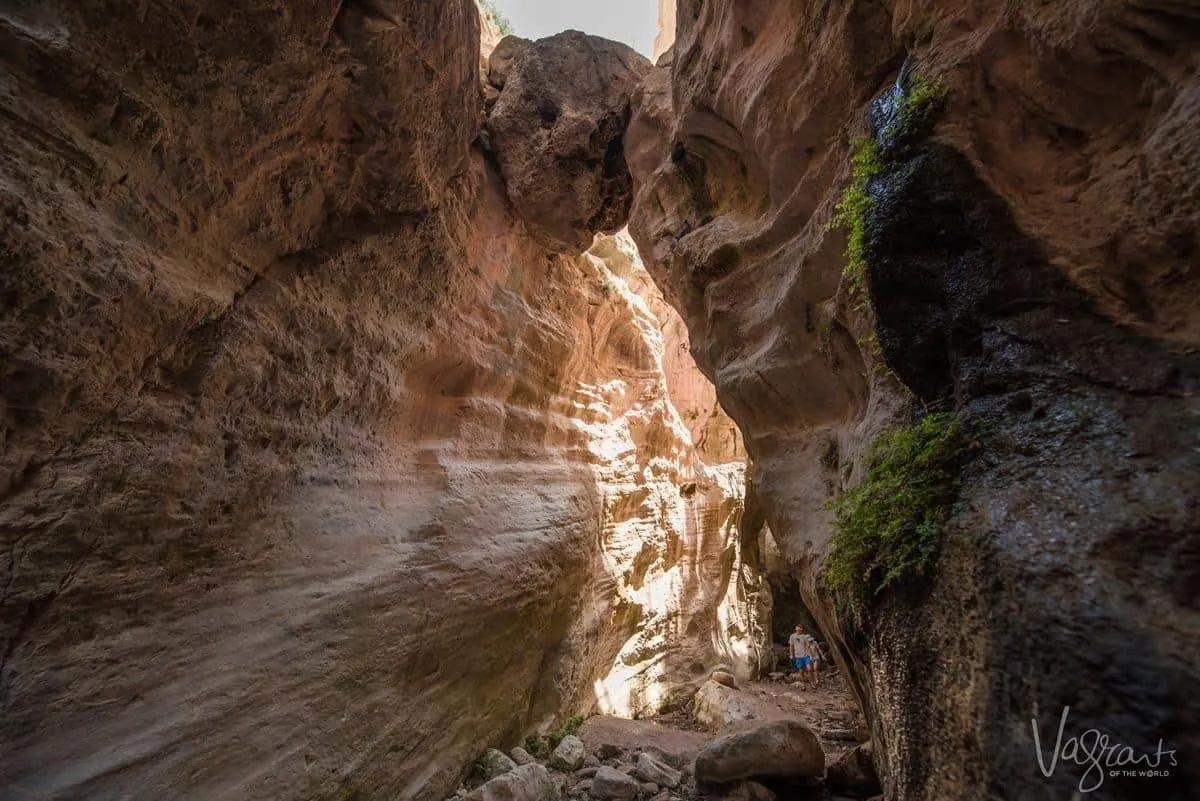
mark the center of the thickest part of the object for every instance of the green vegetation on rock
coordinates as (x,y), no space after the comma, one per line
(497,17)
(924,98)
(866,161)
(889,528)
(868,158)
(540,746)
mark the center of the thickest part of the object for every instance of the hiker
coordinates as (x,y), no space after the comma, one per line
(805,653)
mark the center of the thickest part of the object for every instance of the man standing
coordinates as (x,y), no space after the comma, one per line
(804,651)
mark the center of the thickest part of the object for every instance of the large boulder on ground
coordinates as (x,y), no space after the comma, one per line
(649,769)
(568,756)
(854,772)
(610,784)
(524,783)
(495,763)
(782,749)
(719,706)
(557,131)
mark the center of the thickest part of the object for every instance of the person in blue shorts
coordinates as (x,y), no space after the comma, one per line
(805,652)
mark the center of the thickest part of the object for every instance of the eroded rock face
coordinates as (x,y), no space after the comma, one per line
(677,558)
(557,129)
(306,465)
(666,28)
(1032,262)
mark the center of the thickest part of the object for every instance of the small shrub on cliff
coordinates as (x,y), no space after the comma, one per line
(868,158)
(537,746)
(571,726)
(925,98)
(540,746)
(866,161)
(497,17)
(889,527)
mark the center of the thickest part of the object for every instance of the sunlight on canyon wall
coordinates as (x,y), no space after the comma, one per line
(671,541)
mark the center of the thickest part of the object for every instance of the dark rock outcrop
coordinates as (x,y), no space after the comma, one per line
(854,772)
(557,130)
(1030,262)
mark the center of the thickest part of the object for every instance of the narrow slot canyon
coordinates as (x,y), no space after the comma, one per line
(400,408)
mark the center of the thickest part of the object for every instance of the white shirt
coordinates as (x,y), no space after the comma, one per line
(802,645)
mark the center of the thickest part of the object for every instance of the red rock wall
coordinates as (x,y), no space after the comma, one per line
(296,498)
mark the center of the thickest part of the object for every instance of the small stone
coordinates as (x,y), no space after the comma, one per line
(776,676)
(590,761)
(662,796)
(582,787)
(587,772)
(725,678)
(521,756)
(613,785)
(649,788)
(568,757)
(625,768)
(649,769)
(495,763)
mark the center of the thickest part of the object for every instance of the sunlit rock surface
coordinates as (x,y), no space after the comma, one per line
(318,475)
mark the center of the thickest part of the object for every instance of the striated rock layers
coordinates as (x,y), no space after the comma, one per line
(317,473)
(1031,260)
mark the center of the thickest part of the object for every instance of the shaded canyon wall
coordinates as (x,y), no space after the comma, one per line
(1031,261)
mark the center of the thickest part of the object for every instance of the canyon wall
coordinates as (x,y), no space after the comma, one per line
(1030,260)
(318,474)
(666,28)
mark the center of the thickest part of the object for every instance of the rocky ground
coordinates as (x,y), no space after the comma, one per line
(778,738)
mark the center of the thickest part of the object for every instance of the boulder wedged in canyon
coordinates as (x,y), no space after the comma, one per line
(1030,257)
(318,475)
(556,131)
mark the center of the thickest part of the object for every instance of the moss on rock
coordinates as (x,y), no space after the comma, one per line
(889,527)
(915,108)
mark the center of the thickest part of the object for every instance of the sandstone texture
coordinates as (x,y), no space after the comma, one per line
(318,475)
(666,28)
(1031,260)
(556,131)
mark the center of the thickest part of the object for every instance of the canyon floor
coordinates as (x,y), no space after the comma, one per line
(677,737)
